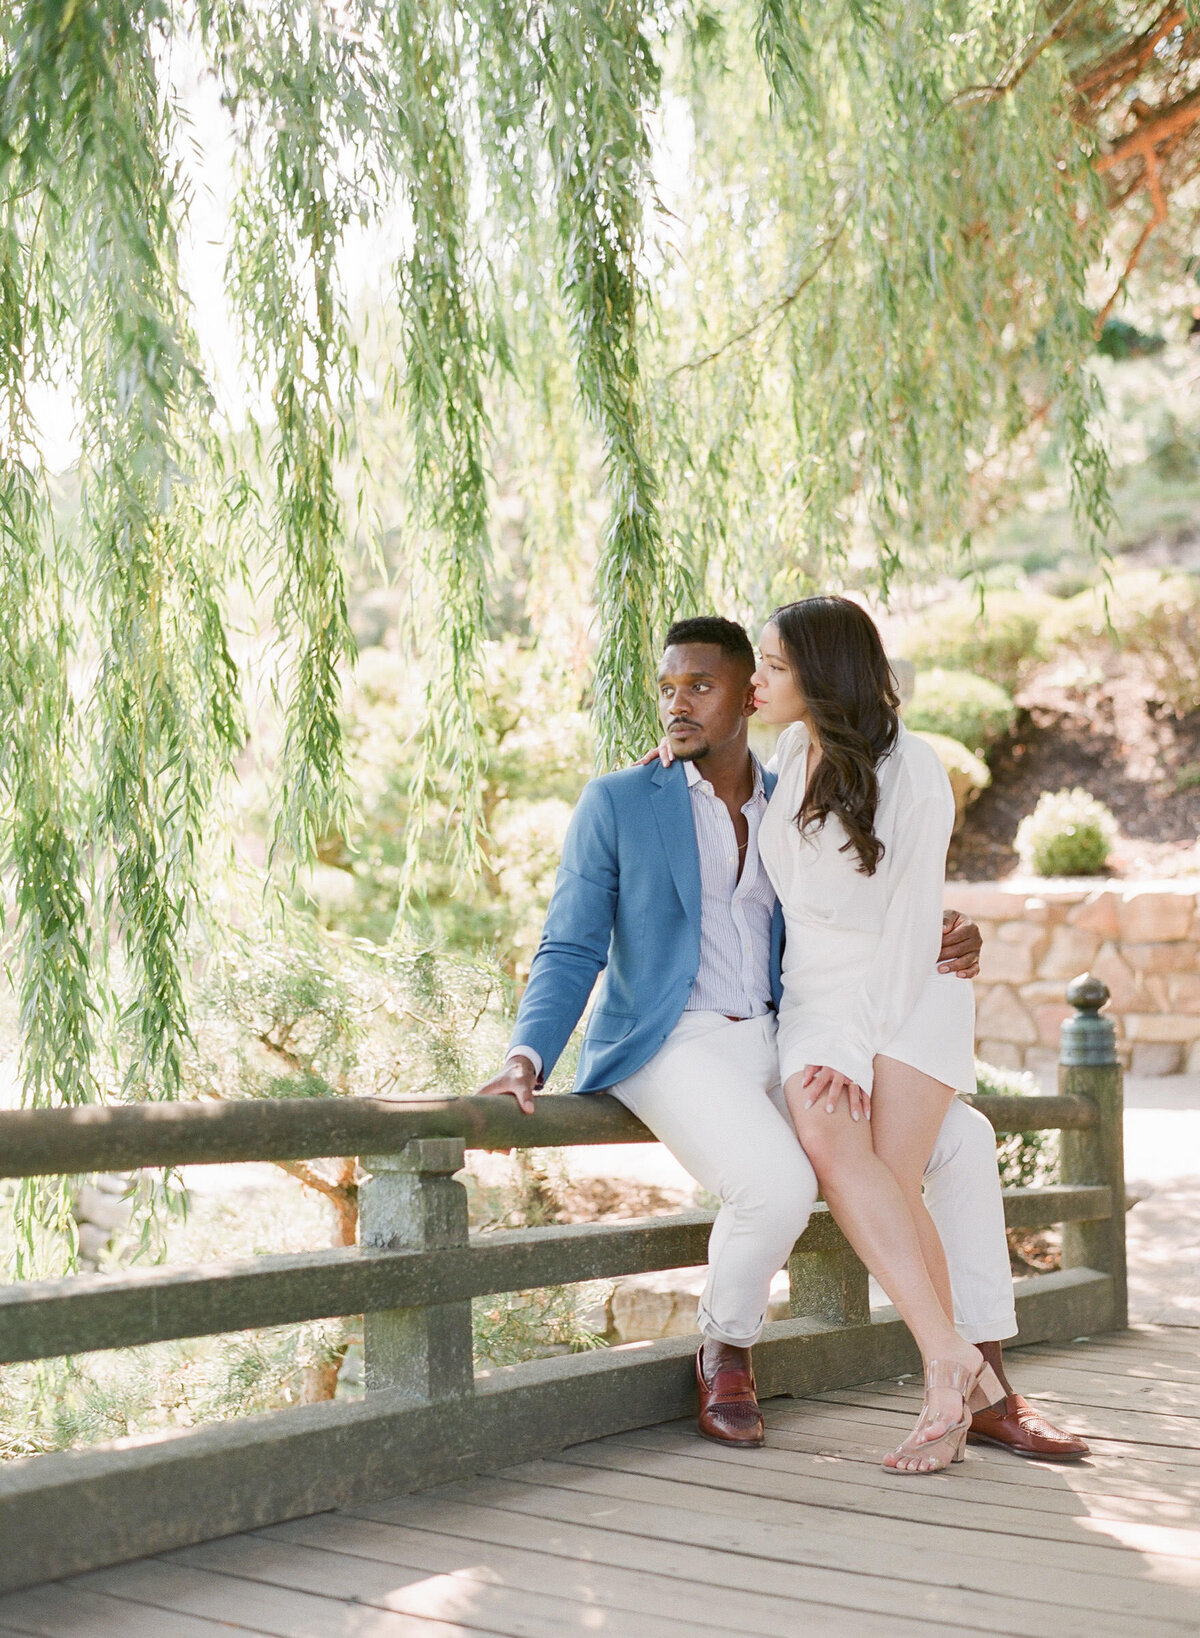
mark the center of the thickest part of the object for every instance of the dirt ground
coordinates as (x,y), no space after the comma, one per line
(1116,741)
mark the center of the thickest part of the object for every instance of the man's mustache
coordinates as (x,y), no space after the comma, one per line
(682,722)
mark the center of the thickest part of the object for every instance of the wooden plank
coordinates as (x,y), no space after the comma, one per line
(873,1496)
(76,1612)
(122,1138)
(1056,1203)
(1006,1485)
(355,1558)
(88,1312)
(1111,1469)
(94,1311)
(1102,1560)
(766,1528)
(1110,1367)
(705,1554)
(179,1590)
(247,1577)
(1155,1430)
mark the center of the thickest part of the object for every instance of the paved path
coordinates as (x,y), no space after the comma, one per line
(1162,1161)
(658,1534)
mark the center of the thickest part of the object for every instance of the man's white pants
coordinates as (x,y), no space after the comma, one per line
(711,1095)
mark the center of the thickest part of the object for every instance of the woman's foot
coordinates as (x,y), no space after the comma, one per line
(953,1388)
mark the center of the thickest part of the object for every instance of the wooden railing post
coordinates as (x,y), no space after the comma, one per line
(1088,1066)
(411,1202)
(829,1282)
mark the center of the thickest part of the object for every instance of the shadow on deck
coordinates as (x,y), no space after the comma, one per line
(657,1532)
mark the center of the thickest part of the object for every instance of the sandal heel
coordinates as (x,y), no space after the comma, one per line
(949,1446)
(986,1390)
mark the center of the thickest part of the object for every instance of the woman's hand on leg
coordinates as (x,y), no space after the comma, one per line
(820,1081)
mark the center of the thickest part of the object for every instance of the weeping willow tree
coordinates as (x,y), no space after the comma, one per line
(803,275)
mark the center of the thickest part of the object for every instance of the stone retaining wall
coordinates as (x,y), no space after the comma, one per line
(1141,938)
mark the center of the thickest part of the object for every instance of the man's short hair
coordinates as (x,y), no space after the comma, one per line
(726,635)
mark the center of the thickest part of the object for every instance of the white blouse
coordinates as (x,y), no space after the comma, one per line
(860,961)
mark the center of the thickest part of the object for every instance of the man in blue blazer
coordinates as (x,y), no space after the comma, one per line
(662,892)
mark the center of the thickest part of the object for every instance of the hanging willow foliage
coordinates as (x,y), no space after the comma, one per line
(868,286)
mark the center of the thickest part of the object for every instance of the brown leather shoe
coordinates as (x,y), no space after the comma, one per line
(729,1410)
(1025,1432)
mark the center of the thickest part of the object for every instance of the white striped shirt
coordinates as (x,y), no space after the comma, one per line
(734,975)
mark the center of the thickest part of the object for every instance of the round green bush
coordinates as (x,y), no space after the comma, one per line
(970,709)
(1069,833)
(968,774)
(1002,643)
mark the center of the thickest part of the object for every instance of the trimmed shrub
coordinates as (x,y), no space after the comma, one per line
(1026,1159)
(1155,616)
(1002,644)
(967,708)
(968,774)
(1069,833)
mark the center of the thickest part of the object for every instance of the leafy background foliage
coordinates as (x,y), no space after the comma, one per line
(735,297)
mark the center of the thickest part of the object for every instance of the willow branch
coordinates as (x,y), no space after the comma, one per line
(1128,60)
(775,311)
(1152,131)
(1019,63)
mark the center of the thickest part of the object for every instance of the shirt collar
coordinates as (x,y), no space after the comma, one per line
(695,777)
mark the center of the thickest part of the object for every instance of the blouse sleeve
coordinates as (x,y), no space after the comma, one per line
(912,929)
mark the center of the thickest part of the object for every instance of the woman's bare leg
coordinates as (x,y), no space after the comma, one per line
(907,1111)
(866,1199)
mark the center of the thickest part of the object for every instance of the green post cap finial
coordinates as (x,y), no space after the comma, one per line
(1087,1039)
(1087,992)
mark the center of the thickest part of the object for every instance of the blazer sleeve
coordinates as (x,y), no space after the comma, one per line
(573,950)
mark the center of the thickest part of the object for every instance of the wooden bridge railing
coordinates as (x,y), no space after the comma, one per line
(427,1417)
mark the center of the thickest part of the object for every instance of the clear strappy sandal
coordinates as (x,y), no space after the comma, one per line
(978,1389)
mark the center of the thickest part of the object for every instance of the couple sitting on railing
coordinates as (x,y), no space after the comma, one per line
(771,1065)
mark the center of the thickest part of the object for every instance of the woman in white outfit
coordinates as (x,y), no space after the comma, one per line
(873,1040)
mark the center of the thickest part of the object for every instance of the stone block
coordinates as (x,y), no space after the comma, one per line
(1026,933)
(1042,1061)
(1042,989)
(1111,967)
(1069,953)
(984,901)
(107,1211)
(1152,994)
(1002,1017)
(648,1306)
(1049,1017)
(1157,915)
(1001,1054)
(1183,991)
(1160,958)
(1100,913)
(1155,1058)
(1192,1063)
(1001,962)
(1157,1026)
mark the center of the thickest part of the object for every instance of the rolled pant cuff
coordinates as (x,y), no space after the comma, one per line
(711,1331)
(1000,1328)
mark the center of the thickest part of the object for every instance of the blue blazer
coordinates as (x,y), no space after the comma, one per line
(626,903)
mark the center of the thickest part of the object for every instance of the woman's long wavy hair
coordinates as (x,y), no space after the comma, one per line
(837,660)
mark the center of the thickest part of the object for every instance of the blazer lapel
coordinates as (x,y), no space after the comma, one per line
(672,804)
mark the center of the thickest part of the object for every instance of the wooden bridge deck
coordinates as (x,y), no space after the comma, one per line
(659,1534)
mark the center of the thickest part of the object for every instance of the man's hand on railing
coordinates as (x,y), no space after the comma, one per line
(518,1078)
(961,944)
